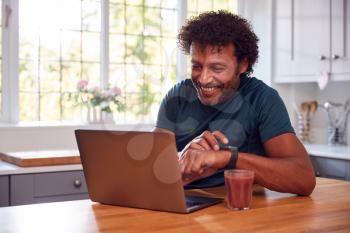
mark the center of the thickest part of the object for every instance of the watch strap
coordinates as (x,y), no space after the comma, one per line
(234,156)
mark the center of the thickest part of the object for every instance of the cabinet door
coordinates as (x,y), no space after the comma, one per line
(302,34)
(340,40)
(331,168)
(336,169)
(4,191)
(319,165)
(47,187)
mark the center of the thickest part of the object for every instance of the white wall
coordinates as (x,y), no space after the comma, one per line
(36,138)
(20,138)
(259,14)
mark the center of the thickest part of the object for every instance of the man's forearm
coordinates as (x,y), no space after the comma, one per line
(279,174)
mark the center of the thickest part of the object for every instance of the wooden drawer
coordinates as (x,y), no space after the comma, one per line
(4,191)
(47,187)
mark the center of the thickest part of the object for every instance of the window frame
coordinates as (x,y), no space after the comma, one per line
(10,64)
(10,55)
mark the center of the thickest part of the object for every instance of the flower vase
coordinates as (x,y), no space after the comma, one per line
(87,114)
(93,115)
(107,117)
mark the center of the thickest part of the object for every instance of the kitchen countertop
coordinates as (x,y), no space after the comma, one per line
(10,169)
(322,150)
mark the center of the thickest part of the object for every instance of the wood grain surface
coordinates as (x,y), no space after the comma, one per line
(41,158)
(327,210)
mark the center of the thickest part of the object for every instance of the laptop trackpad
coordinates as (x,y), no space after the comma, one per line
(195,203)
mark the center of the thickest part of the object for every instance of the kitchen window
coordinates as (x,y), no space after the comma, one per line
(52,44)
(59,43)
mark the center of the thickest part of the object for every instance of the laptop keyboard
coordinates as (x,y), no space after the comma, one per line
(195,202)
(190,203)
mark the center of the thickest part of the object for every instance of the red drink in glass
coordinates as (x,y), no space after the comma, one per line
(239,188)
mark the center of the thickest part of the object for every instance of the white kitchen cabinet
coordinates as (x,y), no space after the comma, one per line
(311,37)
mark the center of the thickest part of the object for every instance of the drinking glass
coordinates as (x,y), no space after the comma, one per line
(239,188)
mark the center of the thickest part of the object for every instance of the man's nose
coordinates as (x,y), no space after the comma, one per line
(205,77)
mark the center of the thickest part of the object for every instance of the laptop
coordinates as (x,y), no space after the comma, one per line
(135,169)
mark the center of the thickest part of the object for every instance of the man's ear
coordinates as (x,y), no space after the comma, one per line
(243,65)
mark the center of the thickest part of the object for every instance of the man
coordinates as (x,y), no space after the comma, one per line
(222,118)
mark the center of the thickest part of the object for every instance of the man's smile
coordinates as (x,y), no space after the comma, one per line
(209,89)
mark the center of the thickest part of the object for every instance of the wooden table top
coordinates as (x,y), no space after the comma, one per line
(326,210)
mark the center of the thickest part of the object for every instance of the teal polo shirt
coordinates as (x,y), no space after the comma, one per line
(255,114)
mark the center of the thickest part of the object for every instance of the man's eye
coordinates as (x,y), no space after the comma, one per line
(217,69)
(196,67)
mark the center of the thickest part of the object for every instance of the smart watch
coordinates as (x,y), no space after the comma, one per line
(234,155)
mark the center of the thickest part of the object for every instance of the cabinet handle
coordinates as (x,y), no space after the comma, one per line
(77,183)
(322,57)
(335,56)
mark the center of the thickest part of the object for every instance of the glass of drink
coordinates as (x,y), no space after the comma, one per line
(239,188)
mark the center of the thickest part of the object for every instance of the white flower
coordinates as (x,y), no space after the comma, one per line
(104,104)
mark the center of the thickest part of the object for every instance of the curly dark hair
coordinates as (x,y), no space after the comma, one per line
(220,29)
